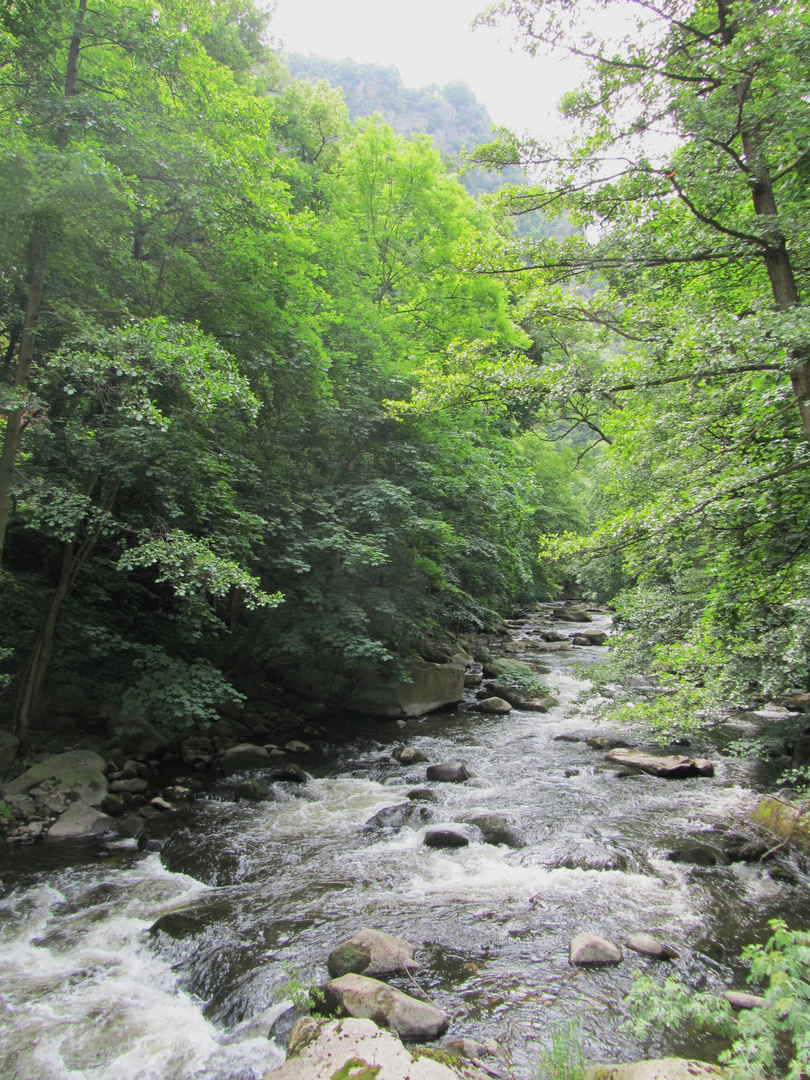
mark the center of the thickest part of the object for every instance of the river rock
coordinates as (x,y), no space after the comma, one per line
(295,746)
(656,1069)
(422,794)
(245,756)
(539,702)
(671,767)
(357,1049)
(649,946)
(549,646)
(445,838)
(135,786)
(496,830)
(472,680)
(371,953)
(605,742)
(553,635)
(694,856)
(567,738)
(473,1050)
(498,669)
(9,745)
(585,949)
(113,805)
(79,822)
(784,820)
(564,614)
(431,687)
(495,705)
(448,772)
(410,814)
(369,999)
(408,755)
(253,790)
(739,1000)
(293,774)
(136,735)
(797,703)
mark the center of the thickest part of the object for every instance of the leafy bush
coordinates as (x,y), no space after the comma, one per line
(517,675)
(758,1036)
(175,693)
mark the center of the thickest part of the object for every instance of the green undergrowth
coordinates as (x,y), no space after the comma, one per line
(773,1041)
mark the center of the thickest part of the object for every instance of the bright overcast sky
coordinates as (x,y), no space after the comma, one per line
(430,41)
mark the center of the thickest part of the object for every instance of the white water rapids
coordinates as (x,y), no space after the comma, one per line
(258,891)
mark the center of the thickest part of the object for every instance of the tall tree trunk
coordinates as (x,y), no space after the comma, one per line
(25,360)
(777,259)
(72,74)
(74,557)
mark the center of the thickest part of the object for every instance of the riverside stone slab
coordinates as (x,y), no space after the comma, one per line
(431,687)
(587,949)
(330,1049)
(670,767)
(80,822)
(370,953)
(369,999)
(673,1068)
(81,770)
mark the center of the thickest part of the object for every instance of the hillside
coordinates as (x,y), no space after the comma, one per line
(451,114)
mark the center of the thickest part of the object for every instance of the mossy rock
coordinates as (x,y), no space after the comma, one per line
(784,821)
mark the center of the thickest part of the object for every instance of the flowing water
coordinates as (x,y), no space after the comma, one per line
(252,897)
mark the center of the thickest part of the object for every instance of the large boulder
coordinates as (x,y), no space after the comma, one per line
(9,745)
(448,772)
(80,822)
(587,949)
(410,814)
(785,821)
(571,614)
(78,772)
(496,830)
(548,646)
(358,1049)
(431,687)
(245,756)
(371,953)
(408,755)
(369,999)
(445,838)
(649,946)
(137,735)
(656,1069)
(670,767)
(496,706)
(521,699)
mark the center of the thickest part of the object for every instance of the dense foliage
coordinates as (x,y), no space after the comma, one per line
(676,330)
(210,284)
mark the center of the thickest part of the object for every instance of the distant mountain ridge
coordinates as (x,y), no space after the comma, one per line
(451,114)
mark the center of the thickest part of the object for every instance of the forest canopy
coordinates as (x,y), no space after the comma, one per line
(277,389)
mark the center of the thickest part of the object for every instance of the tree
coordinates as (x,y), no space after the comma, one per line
(686,168)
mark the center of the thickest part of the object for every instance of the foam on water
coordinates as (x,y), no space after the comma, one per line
(83,996)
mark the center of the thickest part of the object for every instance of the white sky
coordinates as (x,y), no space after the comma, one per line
(430,41)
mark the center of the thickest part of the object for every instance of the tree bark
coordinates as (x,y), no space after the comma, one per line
(74,556)
(776,257)
(72,74)
(25,361)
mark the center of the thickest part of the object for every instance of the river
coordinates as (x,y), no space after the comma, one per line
(252,895)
